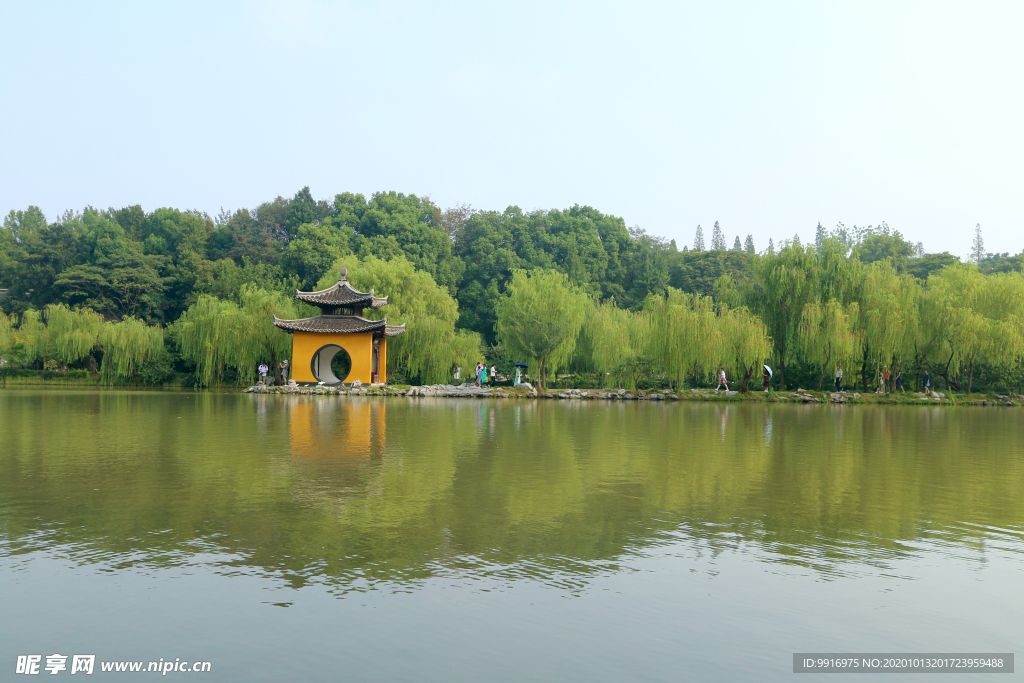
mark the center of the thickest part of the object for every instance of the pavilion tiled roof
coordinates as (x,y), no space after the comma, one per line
(342,294)
(394,330)
(344,324)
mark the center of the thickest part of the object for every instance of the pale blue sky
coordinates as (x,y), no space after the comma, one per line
(765,116)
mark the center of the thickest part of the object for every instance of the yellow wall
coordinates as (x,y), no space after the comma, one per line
(359,347)
(383,360)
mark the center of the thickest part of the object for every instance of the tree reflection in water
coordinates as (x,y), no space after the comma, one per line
(352,492)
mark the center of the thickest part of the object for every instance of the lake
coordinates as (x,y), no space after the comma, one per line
(362,539)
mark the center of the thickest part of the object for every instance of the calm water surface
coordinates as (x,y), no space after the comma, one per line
(322,539)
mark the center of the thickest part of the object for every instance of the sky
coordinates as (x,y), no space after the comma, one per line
(766,117)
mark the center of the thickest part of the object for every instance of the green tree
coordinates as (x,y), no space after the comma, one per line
(785,283)
(746,342)
(126,346)
(614,340)
(314,247)
(540,318)
(978,246)
(927,264)
(888,318)
(717,238)
(684,337)
(954,328)
(216,334)
(698,239)
(880,243)
(71,335)
(7,338)
(829,336)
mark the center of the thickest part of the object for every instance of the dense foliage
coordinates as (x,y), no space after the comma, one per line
(95,290)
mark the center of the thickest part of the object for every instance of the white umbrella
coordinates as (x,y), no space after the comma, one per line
(770,374)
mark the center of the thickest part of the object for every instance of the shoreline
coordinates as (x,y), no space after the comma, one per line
(799,396)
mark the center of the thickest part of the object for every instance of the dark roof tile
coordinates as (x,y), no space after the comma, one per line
(338,324)
(341,294)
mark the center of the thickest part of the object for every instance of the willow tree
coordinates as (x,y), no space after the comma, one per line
(839,277)
(888,317)
(465,348)
(257,338)
(31,337)
(1002,303)
(7,339)
(684,334)
(745,340)
(611,339)
(786,283)
(430,346)
(216,334)
(71,335)
(955,329)
(829,336)
(126,346)
(204,335)
(540,317)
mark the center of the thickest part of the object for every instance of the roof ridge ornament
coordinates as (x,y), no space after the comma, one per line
(343,271)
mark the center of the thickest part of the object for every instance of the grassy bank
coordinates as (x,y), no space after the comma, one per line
(80,378)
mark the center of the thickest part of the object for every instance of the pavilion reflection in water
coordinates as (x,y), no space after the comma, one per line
(347,429)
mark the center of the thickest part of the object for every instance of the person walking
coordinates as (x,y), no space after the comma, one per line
(722,382)
(881,383)
(839,379)
(284,371)
(262,369)
(898,381)
(479,371)
(483,375)
(766,380)
(927,382)
(885,380)
(494,373)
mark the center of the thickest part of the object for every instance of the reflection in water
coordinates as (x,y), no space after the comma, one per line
(318,430)
(354,491)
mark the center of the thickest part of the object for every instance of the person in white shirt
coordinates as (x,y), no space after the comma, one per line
(722,381)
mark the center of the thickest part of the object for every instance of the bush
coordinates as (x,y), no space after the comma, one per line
(156,370)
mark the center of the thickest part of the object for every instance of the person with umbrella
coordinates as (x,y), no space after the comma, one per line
(520,367)
(766,378)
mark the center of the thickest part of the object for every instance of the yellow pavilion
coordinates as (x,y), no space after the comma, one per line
(340,341)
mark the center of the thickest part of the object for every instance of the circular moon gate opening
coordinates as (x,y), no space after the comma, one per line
(331,364)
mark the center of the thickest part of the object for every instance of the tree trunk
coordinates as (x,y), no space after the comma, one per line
(782,375)
(746,379)
(540,372)
(945,375)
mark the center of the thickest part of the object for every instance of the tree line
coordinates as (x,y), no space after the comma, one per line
(572,291)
